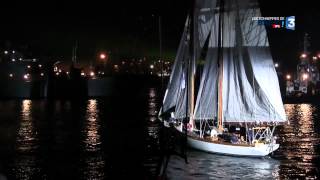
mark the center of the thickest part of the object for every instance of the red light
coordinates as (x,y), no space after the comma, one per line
(275,25)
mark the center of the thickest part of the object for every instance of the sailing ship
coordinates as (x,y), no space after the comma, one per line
(234,105)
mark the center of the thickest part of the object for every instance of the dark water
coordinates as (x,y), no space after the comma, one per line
(117,138)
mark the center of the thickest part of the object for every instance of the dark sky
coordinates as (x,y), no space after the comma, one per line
(51,28)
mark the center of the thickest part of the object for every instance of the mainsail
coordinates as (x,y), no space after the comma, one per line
(250,89)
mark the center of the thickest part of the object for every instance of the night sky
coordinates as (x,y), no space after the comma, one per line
(51,28)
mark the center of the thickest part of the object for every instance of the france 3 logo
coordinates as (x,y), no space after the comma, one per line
(290,22)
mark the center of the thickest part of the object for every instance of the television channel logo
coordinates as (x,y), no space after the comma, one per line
(290,22)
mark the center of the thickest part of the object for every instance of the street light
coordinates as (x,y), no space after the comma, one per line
(305,76)
(6,52)
(288,77)
(276,65)
(103,56)
(303,55)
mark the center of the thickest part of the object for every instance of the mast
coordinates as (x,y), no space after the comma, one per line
(190,68)
(220,66)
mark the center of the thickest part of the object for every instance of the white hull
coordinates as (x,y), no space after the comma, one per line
(256,150)
(259,150)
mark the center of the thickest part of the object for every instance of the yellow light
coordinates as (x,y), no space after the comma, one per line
(83,74)
(305,76)
(91,73)
(288,77)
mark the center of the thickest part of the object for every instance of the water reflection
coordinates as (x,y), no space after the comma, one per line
(209,166)
(299,141)
(94,163)
(26,145)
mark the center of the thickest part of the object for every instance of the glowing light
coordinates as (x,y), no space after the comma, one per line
(314,58)
(92,74)
(26,76)
(28,66)
(116,66)
(34,60)
(151,66)
(55,69)
(83,74)
(20,59)
(303,55)
(276,65)
(67,72)
(40,66)
(102,56)
(6,52)
(305,76)
(13,52)
(11,75)
(288,77)
(57,73)
(13,60)
(41,74)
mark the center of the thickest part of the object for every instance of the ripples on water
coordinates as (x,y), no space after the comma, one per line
(86,140)
(297,157)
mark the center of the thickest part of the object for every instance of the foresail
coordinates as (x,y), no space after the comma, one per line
(251,90)
(175,90)
(206,103)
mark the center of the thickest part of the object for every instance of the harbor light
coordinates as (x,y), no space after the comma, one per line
(102,56)
(92,74)
(303,55)
(288,77)
(6,52)
(276,65)
(151,66)
(11,75)
(26,76)
(305,76)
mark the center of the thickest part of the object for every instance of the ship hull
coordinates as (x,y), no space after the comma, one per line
(259,150)
(225,148)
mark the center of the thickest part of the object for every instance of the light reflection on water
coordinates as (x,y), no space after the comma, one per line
(25,166)
(297,157)
(94,163)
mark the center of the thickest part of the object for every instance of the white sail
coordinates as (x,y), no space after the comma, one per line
(175,92)
(206,103)
(251,90)
(175,96)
